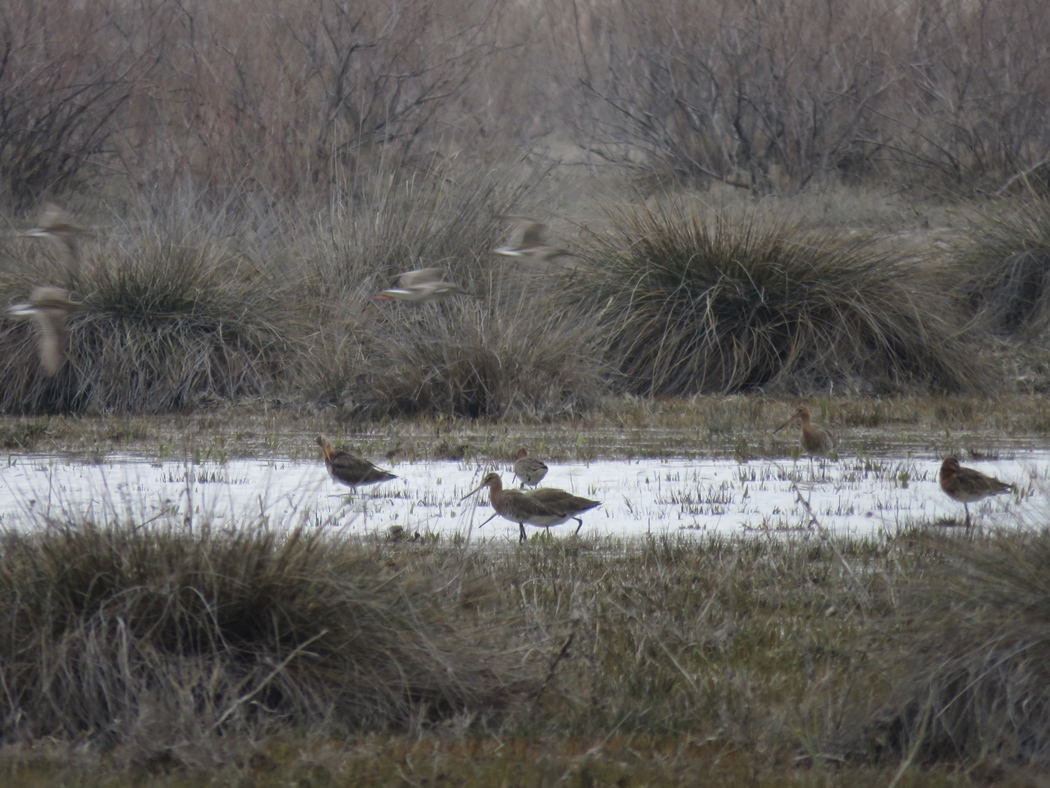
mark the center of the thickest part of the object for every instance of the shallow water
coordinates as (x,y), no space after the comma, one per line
(852,495)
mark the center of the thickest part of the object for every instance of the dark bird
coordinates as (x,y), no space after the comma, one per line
(350,470)
(967,485)
(50,308)
(542,508)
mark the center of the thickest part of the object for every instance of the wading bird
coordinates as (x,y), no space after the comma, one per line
(350,470)
(49,307)
(541,508)
(530,470)
(815,440)
(55,225)
(967,485)
(421,287)
(528,241)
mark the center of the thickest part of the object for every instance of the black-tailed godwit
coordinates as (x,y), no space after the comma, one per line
(421,287)
(967,485)
(350,470)
(814,439)
(49,307)
(542,508)
(528,241)
(529,469)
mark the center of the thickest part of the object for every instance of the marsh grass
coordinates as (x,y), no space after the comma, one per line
(969,666)
(719,305)
(165,641)
(510,348)
(173,316)
(1004,259)
(657,659)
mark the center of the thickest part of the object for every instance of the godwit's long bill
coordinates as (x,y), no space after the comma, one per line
(528,241)
(350,470)
(967,485)
(50,308)
(529,469)
(814,439)
(541,508)
(424,286)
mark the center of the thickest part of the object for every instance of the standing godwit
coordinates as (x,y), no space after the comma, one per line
(56,225)
(49,307)
(350,470)
(530,470)
(967,485)
(541,508)
(528,241)
(815,440)
(422,287)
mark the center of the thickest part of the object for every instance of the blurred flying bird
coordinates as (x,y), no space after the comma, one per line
(422,287)
(49,307)
(55,225)
(528,241)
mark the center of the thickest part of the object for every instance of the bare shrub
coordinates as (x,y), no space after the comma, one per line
(288,96)
(64,79)
(694,305)
(753,94)
(972,105)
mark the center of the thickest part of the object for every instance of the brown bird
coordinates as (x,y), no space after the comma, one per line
(530,470)
(541,508)
(421,287)
(49,307)
(967,485)
(56,225)
(815,440)
(350,470)
(528,241)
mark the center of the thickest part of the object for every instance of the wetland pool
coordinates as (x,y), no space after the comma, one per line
(850,496)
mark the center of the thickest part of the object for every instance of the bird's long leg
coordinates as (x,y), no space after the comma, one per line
(521,526)
(578,527)
(966,509)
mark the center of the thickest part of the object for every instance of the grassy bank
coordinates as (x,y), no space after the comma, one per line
(176,654)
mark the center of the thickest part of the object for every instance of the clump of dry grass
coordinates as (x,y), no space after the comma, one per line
(175,313)
(970,670)
(1004,262)
(698,305)
(511,347)
(166,638)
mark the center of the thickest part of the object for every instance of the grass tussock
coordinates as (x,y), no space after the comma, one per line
(1004,261)
(174,315)
(162,639)
(712,305)
(969,669)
